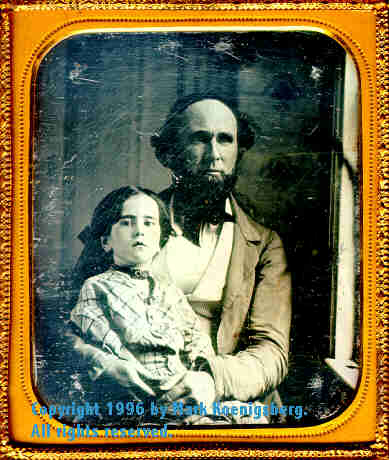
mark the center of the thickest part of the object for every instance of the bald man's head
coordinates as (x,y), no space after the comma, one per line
(173,140)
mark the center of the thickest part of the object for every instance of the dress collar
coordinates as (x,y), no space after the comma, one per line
(132,271)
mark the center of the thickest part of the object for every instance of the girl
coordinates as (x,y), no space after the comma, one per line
(123,308)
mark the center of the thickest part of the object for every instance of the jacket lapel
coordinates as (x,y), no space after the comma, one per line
(240,278)
(240,282)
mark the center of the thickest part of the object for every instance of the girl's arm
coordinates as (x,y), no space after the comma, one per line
(88,315)
(108,355)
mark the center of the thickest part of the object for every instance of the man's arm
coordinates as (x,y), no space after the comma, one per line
(261,363)
(197,343)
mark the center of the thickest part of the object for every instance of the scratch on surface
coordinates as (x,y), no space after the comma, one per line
(225,47)
(75,74)
(144,133)
(316,73)
(65,163)
(88,79)
(171,47)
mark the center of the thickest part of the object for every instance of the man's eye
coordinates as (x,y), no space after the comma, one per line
(224,138)
(124,223)
(200,138)
(149,223)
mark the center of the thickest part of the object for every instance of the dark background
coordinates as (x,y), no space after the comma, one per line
(99,98)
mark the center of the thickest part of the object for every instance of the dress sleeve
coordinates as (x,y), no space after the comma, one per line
(261,360)
(88,315)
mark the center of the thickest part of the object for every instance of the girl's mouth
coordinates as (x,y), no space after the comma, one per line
(138,244)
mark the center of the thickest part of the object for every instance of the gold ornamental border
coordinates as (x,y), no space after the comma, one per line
(221,449)
(33,62)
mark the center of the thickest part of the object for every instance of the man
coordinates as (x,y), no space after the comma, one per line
(232,269)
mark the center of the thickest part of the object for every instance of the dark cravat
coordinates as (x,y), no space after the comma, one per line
(193,219)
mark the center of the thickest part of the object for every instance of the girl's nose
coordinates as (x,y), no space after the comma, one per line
(138,228)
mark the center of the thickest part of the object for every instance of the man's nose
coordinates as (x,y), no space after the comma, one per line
(213,151)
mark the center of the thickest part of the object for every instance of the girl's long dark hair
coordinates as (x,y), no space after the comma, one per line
(93,259)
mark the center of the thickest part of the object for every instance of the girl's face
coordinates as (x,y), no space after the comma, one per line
(135,238)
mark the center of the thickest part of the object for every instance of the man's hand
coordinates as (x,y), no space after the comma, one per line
(194,388)
(130,374)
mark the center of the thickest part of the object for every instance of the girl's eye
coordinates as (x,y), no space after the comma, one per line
(149,223)
(124,223)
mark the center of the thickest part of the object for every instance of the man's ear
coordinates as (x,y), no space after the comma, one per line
(105,244)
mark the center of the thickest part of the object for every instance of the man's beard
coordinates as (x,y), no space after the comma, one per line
(205,189)
(201,199)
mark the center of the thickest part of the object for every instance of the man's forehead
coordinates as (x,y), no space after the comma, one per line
(210,112)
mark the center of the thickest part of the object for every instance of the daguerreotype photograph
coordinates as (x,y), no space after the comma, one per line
(195,248)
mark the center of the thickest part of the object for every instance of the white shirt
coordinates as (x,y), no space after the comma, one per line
(200,271)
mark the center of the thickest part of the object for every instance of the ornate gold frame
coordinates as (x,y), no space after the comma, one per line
(27,30)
